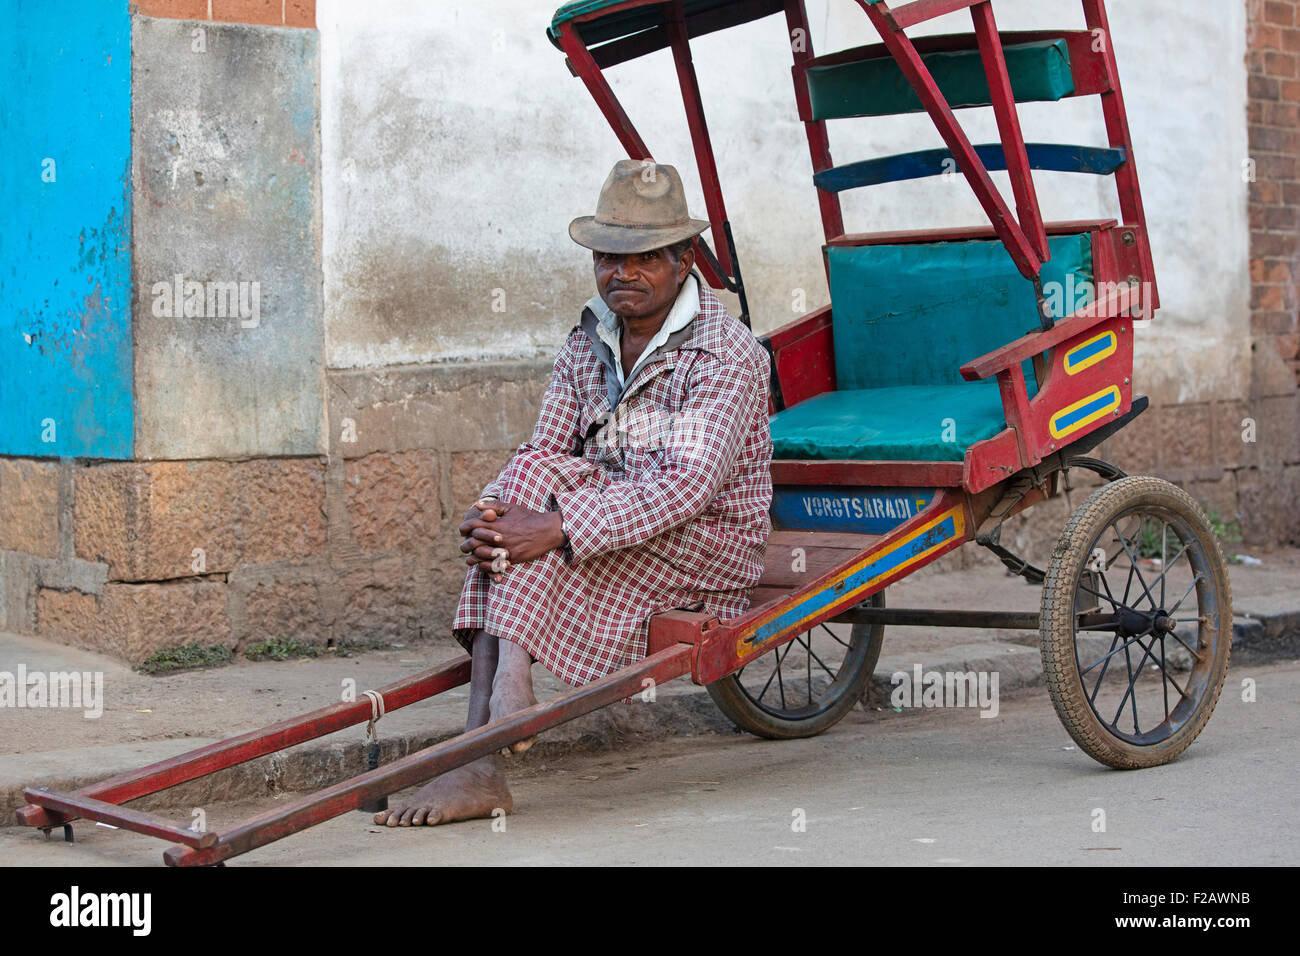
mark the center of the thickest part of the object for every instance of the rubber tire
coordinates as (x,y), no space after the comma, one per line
(1057,623)
(864,649)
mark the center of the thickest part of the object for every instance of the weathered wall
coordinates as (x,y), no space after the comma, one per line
(209,130)
(457,147)
(226,171)
(65,246)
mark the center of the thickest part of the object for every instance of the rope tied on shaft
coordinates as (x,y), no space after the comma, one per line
(376,714)
(372,748)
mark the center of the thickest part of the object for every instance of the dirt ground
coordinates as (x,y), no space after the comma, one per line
(933,788)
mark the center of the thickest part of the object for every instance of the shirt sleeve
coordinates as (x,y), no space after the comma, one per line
(557,422)
(706,437)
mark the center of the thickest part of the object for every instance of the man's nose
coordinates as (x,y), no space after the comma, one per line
(624,270)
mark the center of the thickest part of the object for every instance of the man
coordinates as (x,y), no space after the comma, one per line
(645,485)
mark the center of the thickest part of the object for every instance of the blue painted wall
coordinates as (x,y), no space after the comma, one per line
(65,244)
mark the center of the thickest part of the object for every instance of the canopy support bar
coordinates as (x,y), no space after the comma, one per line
(587,70)
(927,90)
(819,148)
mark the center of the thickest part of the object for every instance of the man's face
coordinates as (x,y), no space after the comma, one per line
(640,285)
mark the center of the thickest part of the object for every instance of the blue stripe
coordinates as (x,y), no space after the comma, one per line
(934,162)
(1065,421)
(1088,351)
(943,531)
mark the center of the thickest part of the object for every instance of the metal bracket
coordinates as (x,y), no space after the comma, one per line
(1010,559)
(778,398)
(992,539)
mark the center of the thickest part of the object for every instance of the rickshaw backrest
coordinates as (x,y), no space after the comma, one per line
(913,314)
(877,87)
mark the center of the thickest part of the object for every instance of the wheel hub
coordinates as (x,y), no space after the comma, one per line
(1133,623)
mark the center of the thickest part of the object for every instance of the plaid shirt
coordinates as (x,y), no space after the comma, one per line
(664,487)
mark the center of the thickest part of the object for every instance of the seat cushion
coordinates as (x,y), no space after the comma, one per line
(896,423)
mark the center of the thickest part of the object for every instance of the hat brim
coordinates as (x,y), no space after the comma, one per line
(602,237)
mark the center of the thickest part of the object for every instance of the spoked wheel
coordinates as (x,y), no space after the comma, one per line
(806,686)
(1136,623)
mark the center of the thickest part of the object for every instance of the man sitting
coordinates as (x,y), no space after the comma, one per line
(645,485)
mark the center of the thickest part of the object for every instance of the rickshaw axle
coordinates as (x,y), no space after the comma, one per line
(932,617)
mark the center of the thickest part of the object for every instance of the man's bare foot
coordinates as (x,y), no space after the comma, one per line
(466,793)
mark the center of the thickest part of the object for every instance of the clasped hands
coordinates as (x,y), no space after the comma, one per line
(499,533)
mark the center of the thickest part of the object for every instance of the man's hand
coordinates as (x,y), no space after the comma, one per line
(489,558)
(524,533)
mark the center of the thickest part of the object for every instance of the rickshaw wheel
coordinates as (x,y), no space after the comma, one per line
(795,690)
(1118,607)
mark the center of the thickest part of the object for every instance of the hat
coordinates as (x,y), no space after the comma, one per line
(642,206)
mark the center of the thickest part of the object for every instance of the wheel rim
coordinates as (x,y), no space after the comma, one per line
(806,677)
(1146,625)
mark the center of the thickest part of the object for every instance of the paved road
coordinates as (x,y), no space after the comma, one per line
(930,788)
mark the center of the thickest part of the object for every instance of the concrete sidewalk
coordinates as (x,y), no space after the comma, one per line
(146,718)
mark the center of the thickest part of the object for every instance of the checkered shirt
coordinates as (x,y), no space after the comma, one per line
(665,497)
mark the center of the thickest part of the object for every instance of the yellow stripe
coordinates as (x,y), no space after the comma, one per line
(1101,412)
(958,516)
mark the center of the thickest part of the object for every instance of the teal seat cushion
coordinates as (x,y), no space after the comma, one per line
(895,423)
(1038,71)
(913,314)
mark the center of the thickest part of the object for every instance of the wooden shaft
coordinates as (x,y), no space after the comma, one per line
(256,743)
(79,805)
(315,808)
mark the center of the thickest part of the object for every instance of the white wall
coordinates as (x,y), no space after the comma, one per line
(456,148)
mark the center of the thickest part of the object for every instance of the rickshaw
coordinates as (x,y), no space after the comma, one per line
(948,386)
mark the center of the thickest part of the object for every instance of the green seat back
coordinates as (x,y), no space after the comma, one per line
(1038,71)
(914,314)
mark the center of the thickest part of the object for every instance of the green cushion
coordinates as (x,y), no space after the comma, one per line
(900,423)
(1038,71)
(914,314)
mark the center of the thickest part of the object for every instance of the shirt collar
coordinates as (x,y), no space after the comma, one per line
(685,308)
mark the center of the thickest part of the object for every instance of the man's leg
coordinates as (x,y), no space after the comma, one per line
(512,688)
(477,788)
